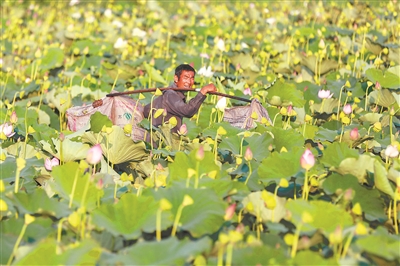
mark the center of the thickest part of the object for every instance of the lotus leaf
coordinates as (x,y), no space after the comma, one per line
(261,211)
(372,244)
(381,179)
(289,139)
(304,258)
(328,106)
(325,215)
(357,167)
(60,99)
(65,176)
(38,202)
(251,256)
(336,152)
(386,79)
(174,252)
(98,121)
(85,252)
(280,165)
(323,66)
(53,58)
(287,93)
(154,75)
(382,97)
(116,146)
(19,150)
(127,217)
(204,216)
(71,150)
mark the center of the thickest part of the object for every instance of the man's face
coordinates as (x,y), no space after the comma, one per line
(186,80)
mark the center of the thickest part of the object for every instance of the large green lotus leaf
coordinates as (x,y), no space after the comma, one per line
(310,131)
(154,74)
(98,121)
(325,216)
(121,148)
(287,93)
(60,99)
(259,255)
(17,149)
(371,117)
(224,187)
(11,228)
(289,139)
(386,79)
(336,152)
(212,130)
(8,169)
(259,208)
(369,199)
(204,216)
(39,202)
(381,179)
(44,132)
(304,258)
(127,217)
(328,107)
(71,150)
(170,251)
(64,176)
(323,67)
(324,134)
(373,244)
(52,59)
(82,44)
(280,165)
(382,97)
(178,170)
(86,252)
(356,166)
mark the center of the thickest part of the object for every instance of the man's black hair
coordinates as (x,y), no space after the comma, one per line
(183,67)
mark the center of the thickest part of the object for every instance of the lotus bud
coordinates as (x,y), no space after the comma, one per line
(61,136)
(247,91)
(347,109)
(183,130)
(377,127)
(248,155)
(391,151)
(307,160)
(321,44)
(378,85)
(221,104)
(100,184)
(229,212)
(336,237)
(94,154)
(14,117)
(392,112)
(348,194)
(200,153)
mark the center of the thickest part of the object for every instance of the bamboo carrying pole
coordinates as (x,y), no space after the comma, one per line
(176,89)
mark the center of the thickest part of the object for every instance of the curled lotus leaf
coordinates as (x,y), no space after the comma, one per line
(381,179)
(371,117)
(386,79)
(71,150)
(259,208)
(382,97)
(328,106)
(357,167)
(323,67)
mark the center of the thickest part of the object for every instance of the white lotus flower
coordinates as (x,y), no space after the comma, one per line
(108,13)
(73,2)
(221,104)
(220,45)
(118,24)
(244,45)
(206,72)
(76,15)
(90,19)
(120,44)
(136,32)
(270,21)
(392,151)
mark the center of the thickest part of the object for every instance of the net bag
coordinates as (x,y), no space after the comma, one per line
(241,116)
(121,110)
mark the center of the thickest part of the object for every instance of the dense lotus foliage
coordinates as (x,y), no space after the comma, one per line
(317,183)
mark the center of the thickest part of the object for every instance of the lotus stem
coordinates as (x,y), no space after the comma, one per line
(250,171)
(158,225)
(396,225)
(83,223)
(366,98)
(391,128)
(229,252)
(347,244)
(73,189)
(196,181)
(306,188)
(177,218)
(296,240)
(115,190)
(17,177)
(341,133)
(220,256)
(21,234)
(215,147)
(340,96)
(115,81)
(273,121)
(59,229)
(85,190)
(390,210)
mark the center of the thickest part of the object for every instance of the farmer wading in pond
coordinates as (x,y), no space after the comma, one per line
(174,102)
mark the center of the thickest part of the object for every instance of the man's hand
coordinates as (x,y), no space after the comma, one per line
(208,88)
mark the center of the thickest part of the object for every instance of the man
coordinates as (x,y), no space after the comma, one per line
(174,102)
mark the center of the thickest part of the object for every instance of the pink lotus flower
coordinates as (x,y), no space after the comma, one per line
(49,164)
(200,153)
(378,85)
(183,130)
(324,94)
(7,130)
(247,91)
(347,109)
(354,134)
(94,154)
(205,55)
(307,160)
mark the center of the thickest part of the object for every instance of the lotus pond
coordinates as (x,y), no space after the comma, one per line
(319,183)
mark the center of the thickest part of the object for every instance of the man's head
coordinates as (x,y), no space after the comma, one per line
(184,76)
